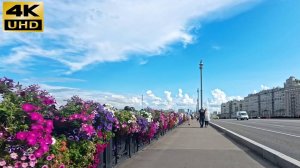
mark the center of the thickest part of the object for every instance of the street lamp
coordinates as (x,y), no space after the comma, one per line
(197,107)
(201,67)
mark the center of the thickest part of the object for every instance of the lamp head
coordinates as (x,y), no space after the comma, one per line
(201,64)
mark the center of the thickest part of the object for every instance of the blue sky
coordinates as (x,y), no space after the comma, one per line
(115,51)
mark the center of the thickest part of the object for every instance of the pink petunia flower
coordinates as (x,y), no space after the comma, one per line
(100,134)
(48,130)
(76,116)
(35,116)
(48,139)
(27,107)
(23,158)
(32,157)
(49,123)
(48,101)
(31,141)
(38,153)
(2,163)
(45,166)
(92,116)
(24,165)
(21,135)
(18,164)
(62,166)
(44,148)
(49,158)
(14,155)
(32,164)
(84,118)
(36,127)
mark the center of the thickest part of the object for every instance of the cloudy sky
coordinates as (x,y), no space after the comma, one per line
(115,51)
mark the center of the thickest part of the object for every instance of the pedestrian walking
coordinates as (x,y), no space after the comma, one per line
(202,117)
(207,118)
(189,118)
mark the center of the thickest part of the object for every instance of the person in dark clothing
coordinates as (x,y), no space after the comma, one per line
(202,117)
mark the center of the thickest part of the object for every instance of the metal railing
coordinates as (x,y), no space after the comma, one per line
(122,147)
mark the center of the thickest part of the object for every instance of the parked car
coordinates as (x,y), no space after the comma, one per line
(242,115)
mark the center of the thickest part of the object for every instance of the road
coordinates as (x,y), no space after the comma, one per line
(281,135)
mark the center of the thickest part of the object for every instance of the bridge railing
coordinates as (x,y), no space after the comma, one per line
(123,147)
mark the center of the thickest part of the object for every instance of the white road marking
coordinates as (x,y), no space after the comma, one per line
(278,132)
(269,124)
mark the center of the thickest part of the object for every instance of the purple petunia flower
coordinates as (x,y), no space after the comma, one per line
(109,127)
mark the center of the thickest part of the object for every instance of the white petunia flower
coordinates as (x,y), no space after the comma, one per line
(53,141)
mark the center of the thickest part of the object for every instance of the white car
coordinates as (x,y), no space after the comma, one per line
(242,115)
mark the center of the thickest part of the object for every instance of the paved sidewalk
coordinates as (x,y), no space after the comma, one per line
(194,147)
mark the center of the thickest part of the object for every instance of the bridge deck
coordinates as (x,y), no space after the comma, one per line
(193,147)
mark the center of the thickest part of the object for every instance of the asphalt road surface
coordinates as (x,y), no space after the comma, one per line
(282,135)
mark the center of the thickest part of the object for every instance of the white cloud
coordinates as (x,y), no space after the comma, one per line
(216,47)
(168,96)
(151,94)
(188,100)
(263,87)
(143,62)
(219,97)
(184,100)
(51,79)
(81,33)
(120,101)
(180,93)
(62,93)
(169,100)
(157,102)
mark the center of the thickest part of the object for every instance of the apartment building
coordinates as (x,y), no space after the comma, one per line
(276,102)
(292,94)
(229,109)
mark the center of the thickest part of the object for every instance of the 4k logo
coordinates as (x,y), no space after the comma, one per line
(23,16)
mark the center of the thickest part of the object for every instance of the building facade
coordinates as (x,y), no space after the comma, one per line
(229,109)
(276,102)
(292,93)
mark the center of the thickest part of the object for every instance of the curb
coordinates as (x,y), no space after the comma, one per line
(277,158)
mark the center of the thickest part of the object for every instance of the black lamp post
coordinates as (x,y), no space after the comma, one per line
(201,67)
(197,108)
